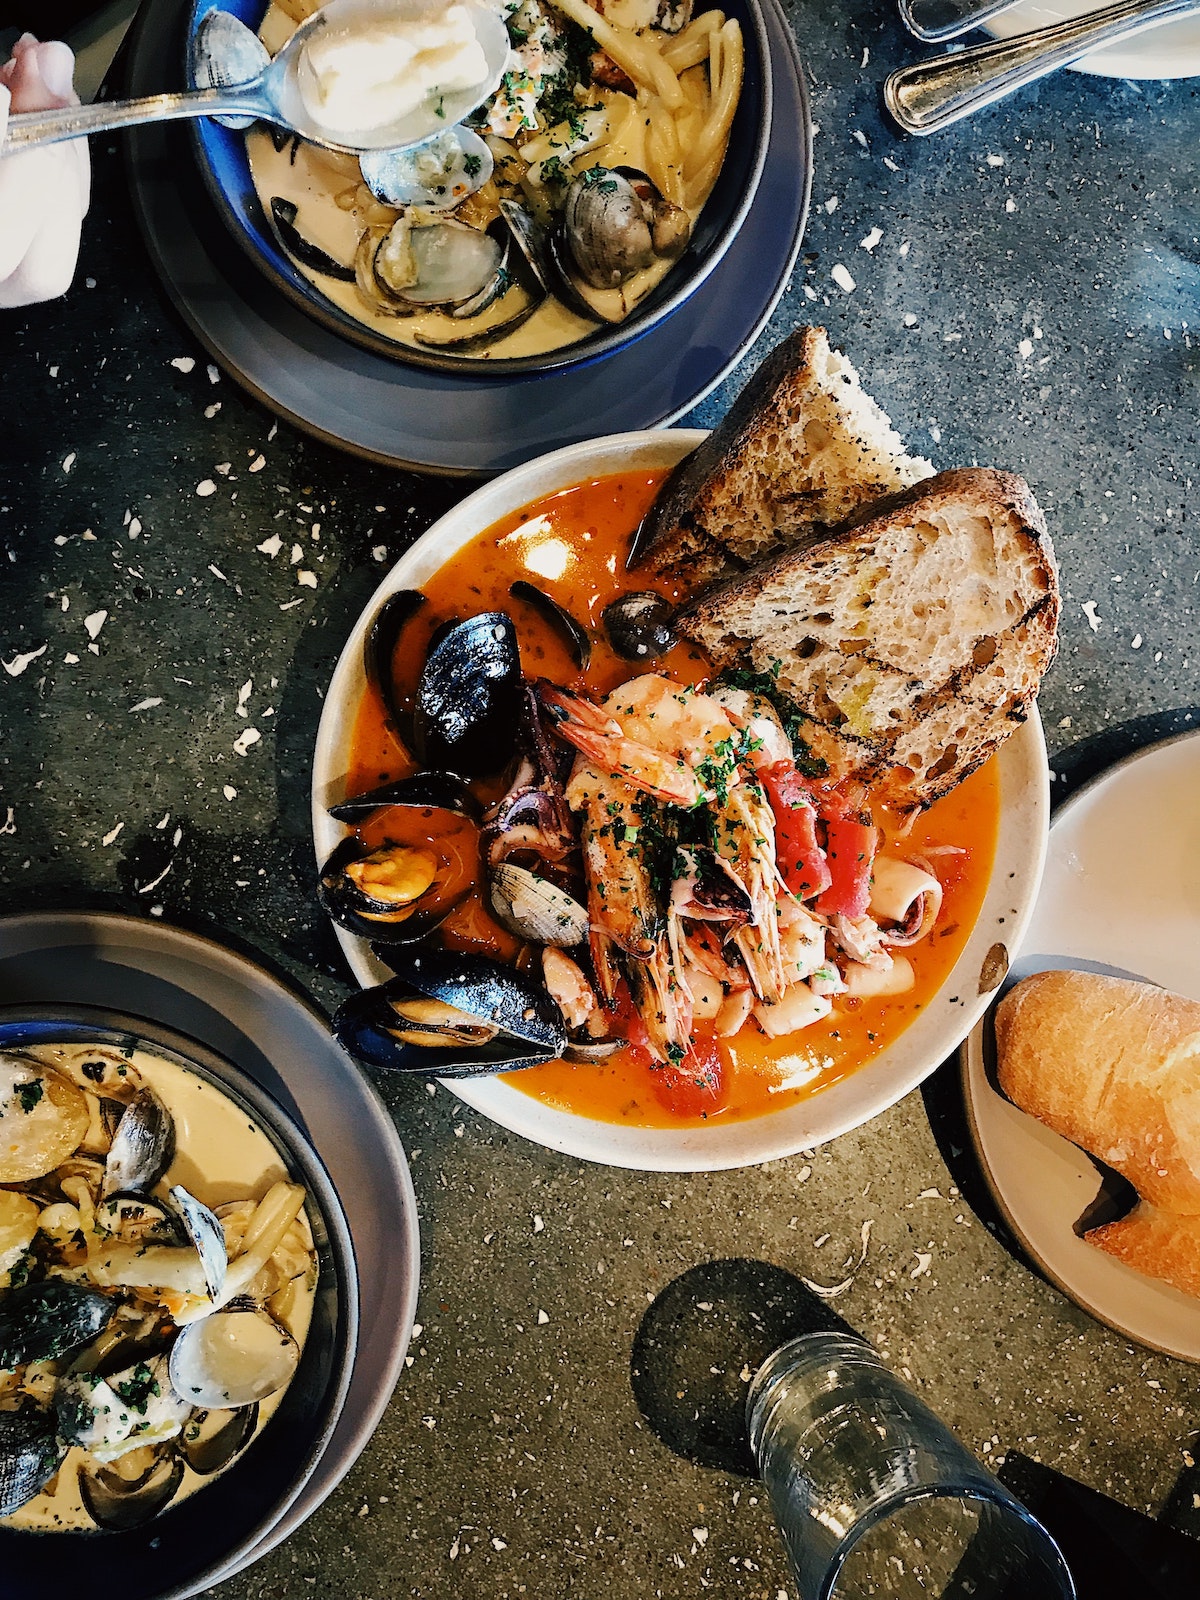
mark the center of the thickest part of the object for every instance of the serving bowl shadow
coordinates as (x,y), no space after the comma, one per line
(225,169)
(192,1545)
(848,1103)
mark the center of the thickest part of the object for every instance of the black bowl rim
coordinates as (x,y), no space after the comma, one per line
(96,1024)
(593,347)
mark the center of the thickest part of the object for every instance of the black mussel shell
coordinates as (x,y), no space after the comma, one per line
(574,633)
(440,790)
(211,1439)
(499,1019)
(30,1452)
(381,920)
(139,1217)
(308,254)
(379,651)
(469,697)
(637,625)
(42,1321)
(117,1503)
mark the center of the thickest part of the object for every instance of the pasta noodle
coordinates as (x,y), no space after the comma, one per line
(690,47)
(631,53)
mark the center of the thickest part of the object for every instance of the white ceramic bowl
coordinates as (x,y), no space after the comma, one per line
(1020,851)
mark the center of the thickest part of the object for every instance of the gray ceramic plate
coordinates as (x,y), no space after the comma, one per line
(196,986)
(1141,812)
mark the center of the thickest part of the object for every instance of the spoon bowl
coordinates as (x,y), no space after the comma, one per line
(245,84)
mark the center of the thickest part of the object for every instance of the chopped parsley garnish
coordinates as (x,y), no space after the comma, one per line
(29,1094)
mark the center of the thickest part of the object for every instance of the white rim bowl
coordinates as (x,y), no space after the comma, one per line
(936,1034)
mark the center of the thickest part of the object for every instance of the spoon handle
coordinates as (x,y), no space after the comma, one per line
(935,20)
(29,129)
(933,94)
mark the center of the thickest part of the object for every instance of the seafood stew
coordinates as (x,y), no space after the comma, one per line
(173,1302)
(577,211)
(626,948)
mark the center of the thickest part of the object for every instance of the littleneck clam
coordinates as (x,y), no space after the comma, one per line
(436,175)
(616,223)
(536,909)
(235,1357)
(142,1148)
(452,1015)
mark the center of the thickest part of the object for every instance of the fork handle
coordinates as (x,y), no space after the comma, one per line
(935,20)
(933,94)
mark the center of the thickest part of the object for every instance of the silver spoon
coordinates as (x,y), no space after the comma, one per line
(250,85)
(933,94)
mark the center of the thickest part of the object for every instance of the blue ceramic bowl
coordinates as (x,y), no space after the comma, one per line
(221,153)
(190,1546)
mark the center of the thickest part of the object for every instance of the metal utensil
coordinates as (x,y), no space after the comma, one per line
(274,94)
(932,94)
(935,20)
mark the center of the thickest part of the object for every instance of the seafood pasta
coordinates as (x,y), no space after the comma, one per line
(557,208)
(148,1330)
(719,929)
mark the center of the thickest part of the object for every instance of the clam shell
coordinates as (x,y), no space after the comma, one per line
(534,908)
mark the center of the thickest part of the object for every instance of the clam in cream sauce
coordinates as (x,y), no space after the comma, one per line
(221,1156)
(310,178)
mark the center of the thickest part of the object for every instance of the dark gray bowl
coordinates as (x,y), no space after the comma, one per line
(189,1547)
(225,169)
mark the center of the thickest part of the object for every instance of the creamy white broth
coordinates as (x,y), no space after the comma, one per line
(310,177)
(221,1156)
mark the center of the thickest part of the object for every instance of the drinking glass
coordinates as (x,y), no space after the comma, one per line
(876,1497)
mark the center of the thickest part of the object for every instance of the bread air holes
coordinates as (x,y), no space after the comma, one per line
(984,652)
(945,763)
(808,648)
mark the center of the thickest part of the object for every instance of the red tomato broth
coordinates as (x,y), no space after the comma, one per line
(573,546)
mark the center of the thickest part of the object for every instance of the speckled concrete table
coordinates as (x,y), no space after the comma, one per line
(177,573)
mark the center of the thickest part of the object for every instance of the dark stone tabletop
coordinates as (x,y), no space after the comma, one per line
(178,571)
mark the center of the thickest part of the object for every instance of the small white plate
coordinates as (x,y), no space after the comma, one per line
(1120,894)
(1172,51)
(936,1034)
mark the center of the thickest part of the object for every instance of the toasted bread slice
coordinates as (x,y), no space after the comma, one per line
(911,642)
(802,448)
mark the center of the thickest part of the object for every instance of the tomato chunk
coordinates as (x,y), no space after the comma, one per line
(801,860)
(696,1085)
(850,849)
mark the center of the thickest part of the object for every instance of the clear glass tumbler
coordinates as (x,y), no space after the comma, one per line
(876,1497)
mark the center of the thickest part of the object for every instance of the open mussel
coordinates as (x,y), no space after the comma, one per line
(42,1321)
(452,1015)
(30,1452)
(310,255)
(434,791)
(130,1491)
(211,1439)
(391,892)
(573,633)
(379,653)
(469,696)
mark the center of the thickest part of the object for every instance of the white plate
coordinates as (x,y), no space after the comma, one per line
(1172,51)
(233,1005)
(927,1042)
(1132,830)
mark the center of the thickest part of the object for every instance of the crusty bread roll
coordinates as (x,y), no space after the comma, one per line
(1113,1066)
(1162,1244)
